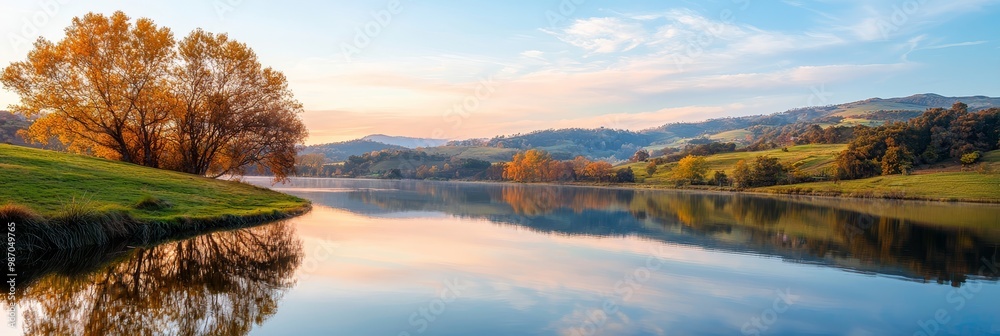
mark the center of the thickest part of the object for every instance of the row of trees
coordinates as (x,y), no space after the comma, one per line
(528,166)
(397,164)
(938,135)
(771,137)
(538,166)
(128,90)
(762,171)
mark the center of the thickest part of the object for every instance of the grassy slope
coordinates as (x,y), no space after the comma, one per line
(481,153)
(958,185)
(812,159)
(739,135)
(815,159)
(866,108)
(45,181)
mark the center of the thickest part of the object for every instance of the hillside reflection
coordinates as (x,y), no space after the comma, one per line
(919,241)
(223,283)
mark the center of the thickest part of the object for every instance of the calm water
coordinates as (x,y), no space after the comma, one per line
(427,258)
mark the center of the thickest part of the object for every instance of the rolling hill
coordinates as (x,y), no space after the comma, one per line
(9,125)
(605,143)
(407,142)
(618,145)
(340,151)
(872,111)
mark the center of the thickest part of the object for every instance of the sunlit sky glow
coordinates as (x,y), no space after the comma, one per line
(526,65)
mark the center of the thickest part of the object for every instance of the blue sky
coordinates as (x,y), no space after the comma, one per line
(457,70)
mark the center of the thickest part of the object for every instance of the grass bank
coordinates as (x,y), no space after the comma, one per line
(810,159)
(944,186)
(948,182)
(61,200)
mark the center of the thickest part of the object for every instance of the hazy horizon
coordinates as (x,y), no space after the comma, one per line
(521,66)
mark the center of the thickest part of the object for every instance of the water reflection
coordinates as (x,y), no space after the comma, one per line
(945,243)
(223,283)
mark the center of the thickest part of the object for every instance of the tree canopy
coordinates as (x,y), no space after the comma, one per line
(127,90)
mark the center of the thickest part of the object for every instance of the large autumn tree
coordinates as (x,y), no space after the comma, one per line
(232,111)
(102,89)
(127,90)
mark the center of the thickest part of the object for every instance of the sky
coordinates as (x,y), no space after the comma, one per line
(476,69)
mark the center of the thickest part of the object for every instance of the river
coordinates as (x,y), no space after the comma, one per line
(398,258)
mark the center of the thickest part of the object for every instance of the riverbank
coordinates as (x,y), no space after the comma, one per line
(946,187)
(60,201)
(948,182)
(937,187)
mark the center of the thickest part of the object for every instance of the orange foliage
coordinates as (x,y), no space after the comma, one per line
(125,89)
(530,166)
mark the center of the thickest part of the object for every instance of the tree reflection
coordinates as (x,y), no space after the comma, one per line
(798,230)
(217,284)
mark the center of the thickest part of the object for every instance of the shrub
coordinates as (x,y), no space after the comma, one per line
(984,168)
(17,213)
(691,168)
(77,210)
(970,158)
(719,178)
(152,203)
(625,175)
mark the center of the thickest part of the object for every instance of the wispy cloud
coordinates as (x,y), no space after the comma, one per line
(952,45)
(800,5)
(885,21)
(635,71)
(918,43)
(602,35)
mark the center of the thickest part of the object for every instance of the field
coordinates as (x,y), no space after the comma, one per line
(851,122)
(50,182)
(967,185)
(480,153)
(868,107)
(738,136)
(950,183)
(948,186)
(811,159)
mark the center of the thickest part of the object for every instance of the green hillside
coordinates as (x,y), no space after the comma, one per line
(51,183)
(810,159)
(967,185)
(950,183)
(340,151)
(491,154)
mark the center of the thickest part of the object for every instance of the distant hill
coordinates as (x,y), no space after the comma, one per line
(340,151)
(565,144)
(9,125)
(407,142)
(870,112)
(919,103)
(620,144)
